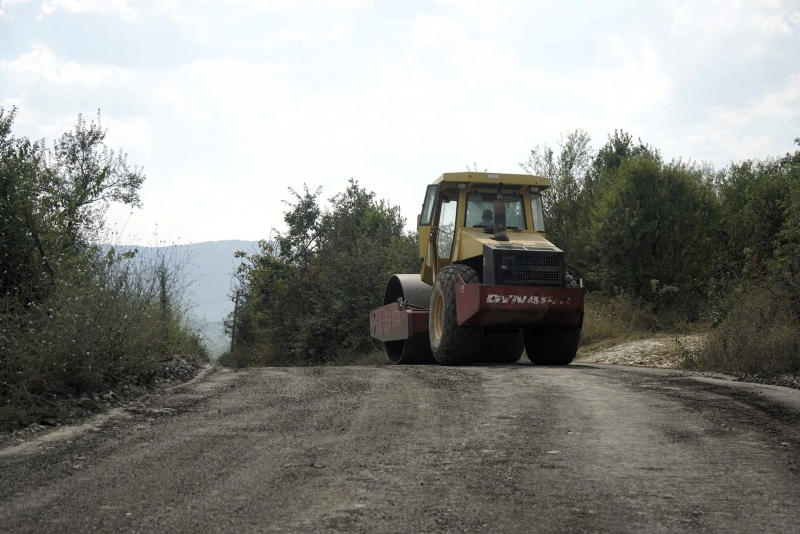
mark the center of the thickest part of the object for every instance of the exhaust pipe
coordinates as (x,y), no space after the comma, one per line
(500,216)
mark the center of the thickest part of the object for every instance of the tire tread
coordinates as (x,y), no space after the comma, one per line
(459,344)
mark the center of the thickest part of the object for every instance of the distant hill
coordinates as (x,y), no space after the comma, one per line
(210,265)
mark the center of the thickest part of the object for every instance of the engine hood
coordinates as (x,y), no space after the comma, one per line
(471,240)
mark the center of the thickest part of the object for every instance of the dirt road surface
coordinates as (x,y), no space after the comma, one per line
(585,448)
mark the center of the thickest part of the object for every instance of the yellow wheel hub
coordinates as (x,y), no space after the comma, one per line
(438,309)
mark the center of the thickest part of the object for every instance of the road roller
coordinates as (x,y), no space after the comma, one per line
(490,285)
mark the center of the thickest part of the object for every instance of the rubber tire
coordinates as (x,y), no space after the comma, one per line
(501,348)
(552,345)
(453,344)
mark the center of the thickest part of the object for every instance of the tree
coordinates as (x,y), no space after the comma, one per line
(787,251)
(302,220)
(619,147)
(565,202)
(567,170)
(86,178)
(308,292)
(53,202)
(23,256)
(652,229)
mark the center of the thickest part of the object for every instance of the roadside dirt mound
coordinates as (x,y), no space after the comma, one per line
(653,352)
(78,408)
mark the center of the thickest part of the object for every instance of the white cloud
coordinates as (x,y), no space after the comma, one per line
(636,82)
(777,105)
(742,132)
(9,103)
(772,23)
(8,3)
(132,136)
(42,63)
(219,89)
(271,5)
(120,8)
(294,5)
(489,15)
(335,32)
(739,25)
(200,19)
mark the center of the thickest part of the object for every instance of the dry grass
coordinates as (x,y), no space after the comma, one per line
(759,335)
(256,355)
(371,358)
(104,319)
(608,321)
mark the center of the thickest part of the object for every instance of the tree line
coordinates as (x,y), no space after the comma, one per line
(306,293)
(687,244)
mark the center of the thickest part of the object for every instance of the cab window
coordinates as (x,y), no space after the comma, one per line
(480,211)
(447,227)
(427,205)
(538,212)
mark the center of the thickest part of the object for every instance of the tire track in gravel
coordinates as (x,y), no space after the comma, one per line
(515,448)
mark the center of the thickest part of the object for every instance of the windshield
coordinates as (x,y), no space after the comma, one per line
(480,211)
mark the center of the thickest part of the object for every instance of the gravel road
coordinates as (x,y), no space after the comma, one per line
(585,448)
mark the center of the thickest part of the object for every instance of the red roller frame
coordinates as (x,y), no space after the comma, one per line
(393,322)
(480,304)
(489,305)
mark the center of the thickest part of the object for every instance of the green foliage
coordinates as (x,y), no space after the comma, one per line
(571,173)
(651,232)
(629,223)
(24,267)
(758,318)
(308,292)
(75,318)
(616,318)
(661,246)
(620,147)
(676,243)
(759,334)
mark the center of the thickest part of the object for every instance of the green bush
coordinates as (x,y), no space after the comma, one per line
(760,334)
(652,233)
(106,318)
(306,295)
(616,318)
(76,317)
(664,247)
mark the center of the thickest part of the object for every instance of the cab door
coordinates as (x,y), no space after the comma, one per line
(426,233)
(445,233)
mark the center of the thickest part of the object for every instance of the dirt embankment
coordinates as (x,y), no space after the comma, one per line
(670,353)
(663,352)
(82,408)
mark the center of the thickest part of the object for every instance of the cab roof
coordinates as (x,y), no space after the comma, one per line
(491,179)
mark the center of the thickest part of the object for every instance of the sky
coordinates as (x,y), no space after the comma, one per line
(226,105)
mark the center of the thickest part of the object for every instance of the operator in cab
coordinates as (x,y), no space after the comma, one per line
(486,219)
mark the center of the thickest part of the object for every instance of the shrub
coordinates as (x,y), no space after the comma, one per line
(616,318)
(106,318)
(75,317)
(758,335)
(307,294)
